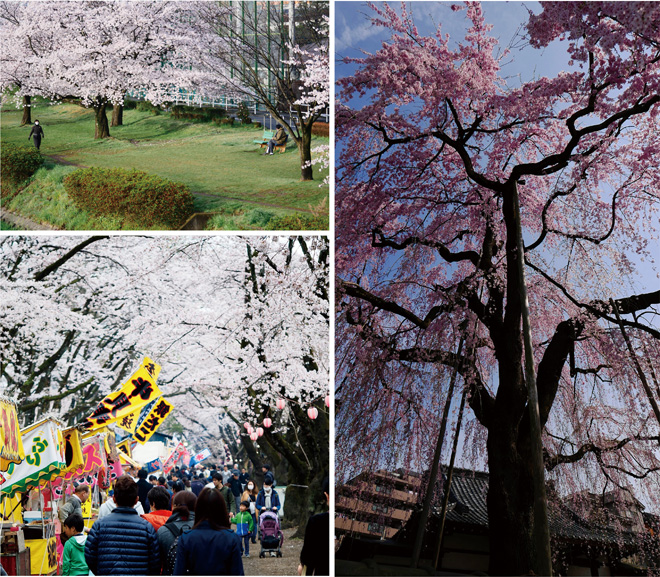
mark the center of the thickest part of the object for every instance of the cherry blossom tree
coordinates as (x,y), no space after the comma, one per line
(438,143)
(251,55)
(236,324)
(96,51)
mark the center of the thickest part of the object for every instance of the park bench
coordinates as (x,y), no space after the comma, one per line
(267,136)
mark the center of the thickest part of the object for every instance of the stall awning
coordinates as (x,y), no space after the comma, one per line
(44,458)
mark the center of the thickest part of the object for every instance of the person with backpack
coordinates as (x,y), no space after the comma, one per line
(244,526)
(211,548)
(181,521)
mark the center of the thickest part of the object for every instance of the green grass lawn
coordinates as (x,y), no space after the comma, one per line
(214,161)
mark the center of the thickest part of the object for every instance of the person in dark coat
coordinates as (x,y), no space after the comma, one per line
(268,498)
(122,543)
(37,133)
(211,548)
(181,521)
(144,487)
(197,485)
(315,554)
(236,488)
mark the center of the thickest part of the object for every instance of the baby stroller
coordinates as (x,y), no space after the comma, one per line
(270,535)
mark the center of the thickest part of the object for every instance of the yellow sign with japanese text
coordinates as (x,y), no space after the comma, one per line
(125,447)
(135,393)
(153,420)
(11,444)
(129,422)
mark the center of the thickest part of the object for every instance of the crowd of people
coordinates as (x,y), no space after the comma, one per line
(195,522)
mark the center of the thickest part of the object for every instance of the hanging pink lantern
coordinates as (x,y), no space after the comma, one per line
(312,413)
(280,404)
(260,431)
(246,425)
(254,436)
(268,423)
(327,401)
(249,429)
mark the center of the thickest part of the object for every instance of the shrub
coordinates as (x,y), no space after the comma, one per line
(299,222)
(148,200)
(321,129)
(227,121)
(259,218)
(18,163)
(243,113)
(144,106)
(200,114)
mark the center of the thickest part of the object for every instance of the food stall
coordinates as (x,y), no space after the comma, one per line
(44,461)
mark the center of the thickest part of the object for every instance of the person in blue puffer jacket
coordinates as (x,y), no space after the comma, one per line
(122,543)
(211,548)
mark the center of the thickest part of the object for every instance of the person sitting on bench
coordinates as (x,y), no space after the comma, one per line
(277,140)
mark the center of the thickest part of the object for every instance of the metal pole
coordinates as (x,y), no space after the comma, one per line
(541,558)
(450,474)
(428,497)
(292,22)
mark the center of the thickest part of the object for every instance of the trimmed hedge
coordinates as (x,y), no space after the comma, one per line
(18,163)
(321,129)
(147,200)
(194,113)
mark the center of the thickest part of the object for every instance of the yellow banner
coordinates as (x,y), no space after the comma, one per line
(72,449)
(125,447)
(135,393)
(43,555)
(11,443)
(153,420)
(129,422)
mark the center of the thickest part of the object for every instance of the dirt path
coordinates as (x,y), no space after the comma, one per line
(285,565)
(23,223)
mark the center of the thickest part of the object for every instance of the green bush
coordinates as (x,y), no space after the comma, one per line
(199,114)
(299,222)
(259,218)
(18,163)
(243,113)
(144,106)
(148,200)
(226,121)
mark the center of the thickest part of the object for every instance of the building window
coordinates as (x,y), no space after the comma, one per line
(375,528)
(383,489)
(379,508)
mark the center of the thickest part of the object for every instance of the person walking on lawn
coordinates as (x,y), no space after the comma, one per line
(36,134)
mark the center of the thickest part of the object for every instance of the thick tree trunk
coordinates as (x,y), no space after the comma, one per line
(305,148)
(510,503)
(102,130)
(117,115)
(27,111)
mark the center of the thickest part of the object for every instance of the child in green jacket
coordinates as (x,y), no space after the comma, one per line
(73,558)
(244,526)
